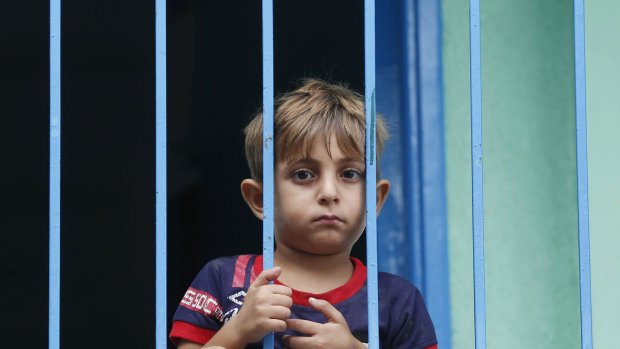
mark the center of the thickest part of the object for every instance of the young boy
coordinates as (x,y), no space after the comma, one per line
(318,296)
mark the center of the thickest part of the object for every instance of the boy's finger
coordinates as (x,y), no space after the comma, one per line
(275,325)
(282,299)
(295,342)
(266,276)
(278,289)
(303,326)
(278,312)
(328,310)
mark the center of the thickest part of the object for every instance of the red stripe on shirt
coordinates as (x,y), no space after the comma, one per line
(240,266)
(339,294)
(183,330)
(434,346)
(253,274)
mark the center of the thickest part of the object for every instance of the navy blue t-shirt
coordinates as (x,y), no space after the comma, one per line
(218,291)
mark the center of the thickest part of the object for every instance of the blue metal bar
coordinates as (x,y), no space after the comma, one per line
(54,243)
(268,142)
(160,175)
(476,169)
(432,161)
(371,174)
(582,176)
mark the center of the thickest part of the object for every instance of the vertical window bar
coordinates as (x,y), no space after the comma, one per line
(476,168)
(371,174)
(160,175)
(582,175)
(268,142)
(54,205)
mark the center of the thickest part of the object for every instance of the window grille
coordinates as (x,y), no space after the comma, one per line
(369,35)
(582,176)
(161,190)
(54,209)
(476,174)
(268,145)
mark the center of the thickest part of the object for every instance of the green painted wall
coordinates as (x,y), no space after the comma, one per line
(529,171)
(603,79)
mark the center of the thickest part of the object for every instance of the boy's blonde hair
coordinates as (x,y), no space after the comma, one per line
(314,111)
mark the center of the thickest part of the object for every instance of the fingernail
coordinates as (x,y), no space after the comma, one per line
(312,300)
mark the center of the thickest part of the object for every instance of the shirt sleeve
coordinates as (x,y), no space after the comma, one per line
(412,326)
(199,314)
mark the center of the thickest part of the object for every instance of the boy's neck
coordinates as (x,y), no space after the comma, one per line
(313,273)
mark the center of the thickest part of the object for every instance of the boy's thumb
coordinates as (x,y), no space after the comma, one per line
(266,276)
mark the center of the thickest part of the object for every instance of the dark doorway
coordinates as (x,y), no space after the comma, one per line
(108,156)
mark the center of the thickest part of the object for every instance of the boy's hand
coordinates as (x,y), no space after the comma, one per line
(334,334)
(265,308)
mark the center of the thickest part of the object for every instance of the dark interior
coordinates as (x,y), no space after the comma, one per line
(108,153)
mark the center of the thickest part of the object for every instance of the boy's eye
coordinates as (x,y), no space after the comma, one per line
(302,175)
(351,174)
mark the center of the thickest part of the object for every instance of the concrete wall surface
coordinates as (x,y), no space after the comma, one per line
(603,79)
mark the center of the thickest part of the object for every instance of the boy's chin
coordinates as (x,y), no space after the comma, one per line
(324,250)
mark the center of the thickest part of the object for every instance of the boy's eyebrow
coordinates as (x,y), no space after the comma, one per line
(309,160)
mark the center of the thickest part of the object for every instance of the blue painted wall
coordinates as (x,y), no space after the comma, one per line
(413,231)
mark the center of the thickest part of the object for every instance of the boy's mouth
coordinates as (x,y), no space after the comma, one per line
(329,219)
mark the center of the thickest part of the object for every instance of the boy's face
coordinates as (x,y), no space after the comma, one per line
(320,201)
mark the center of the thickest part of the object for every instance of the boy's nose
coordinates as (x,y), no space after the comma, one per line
(328,191)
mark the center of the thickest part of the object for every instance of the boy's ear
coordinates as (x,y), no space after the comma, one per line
(252,192)
(383,189)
